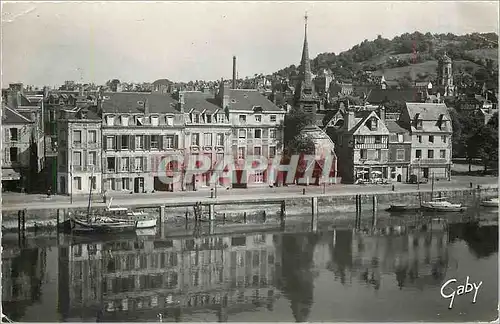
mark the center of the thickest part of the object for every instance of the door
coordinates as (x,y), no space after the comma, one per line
(63,185)
(139,185)
(426,173)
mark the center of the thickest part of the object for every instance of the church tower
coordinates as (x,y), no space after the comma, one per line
(445,75)
(305,96)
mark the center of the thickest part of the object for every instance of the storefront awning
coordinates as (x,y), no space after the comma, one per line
(10,174)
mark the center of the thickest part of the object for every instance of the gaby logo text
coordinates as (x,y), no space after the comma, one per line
(448,290)
(301,168)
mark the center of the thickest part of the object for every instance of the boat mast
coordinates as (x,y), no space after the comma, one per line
(90,193)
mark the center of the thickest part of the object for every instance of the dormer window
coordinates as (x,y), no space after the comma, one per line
(258,118)
(170,120)
(110,120)
(257,109)
(139,121)
(373,124)
(155,121)
(221,118)
(196,118)
(124,120)
(242,119)
(419,124)
(140,103)
(208,119)
(233,101)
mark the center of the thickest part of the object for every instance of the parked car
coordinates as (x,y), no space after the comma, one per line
(414,179)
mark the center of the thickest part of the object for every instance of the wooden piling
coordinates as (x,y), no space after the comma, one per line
(19,221)
(211,212)
(58,218)
(24,220)
(162,214)
(375,207)
(283,211)
(245,217)
(314,214)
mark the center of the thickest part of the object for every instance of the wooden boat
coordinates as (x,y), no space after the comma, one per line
(100,224)
(492,202)
(143,219)
(441,205)
(402,208)
(5,319)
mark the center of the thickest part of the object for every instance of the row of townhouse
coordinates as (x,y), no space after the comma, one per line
(418,144)
(119,144)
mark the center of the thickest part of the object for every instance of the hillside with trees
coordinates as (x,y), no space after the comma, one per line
(475,56)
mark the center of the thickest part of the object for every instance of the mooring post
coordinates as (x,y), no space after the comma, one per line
(283,211)
(24,220)
(211,212)
(162,214)
(224,217)
(264,216)
(245,217)
(19,222)
(374,219)
(58,213)
(304,191)
(186,215)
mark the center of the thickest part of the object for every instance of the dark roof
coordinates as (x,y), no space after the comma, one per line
(378,96)
(11,116)
(133,102)
(427,111)
(394,127)
(162,82)
(247,99)
(199,101)
(91,115)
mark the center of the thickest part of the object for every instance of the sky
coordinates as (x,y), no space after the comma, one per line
(46,43)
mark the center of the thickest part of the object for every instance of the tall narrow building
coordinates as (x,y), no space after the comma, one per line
(306,97)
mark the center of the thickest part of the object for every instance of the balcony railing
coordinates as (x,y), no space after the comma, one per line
(430,161)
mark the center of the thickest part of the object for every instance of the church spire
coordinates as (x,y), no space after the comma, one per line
(304,89)
(305,64)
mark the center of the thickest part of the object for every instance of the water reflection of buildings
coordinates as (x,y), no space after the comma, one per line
(184,275)
(22,277)
(416,259)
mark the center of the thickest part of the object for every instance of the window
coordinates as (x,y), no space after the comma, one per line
(219,157)
(125,163)
(92,158)
(442,154)
(139,142)
(272,151)
(169,141)
(139,121)
(92,183)
(196,118)
(418,154)
(195,139)
(431,139)
(14,134)
(13,154)
(257,150)
(400,138)
(110,120)
(221,118)
(259,177)
(170,120)
(126,183)
(258,133)
(360,139)
(378,139)
(77,183)
(363,154)
(443,139)
(77,158)
(155,120)
(125,142)
(272,133)
(400,155)
(77,137)
(272,118)
(258,118)
(155,142)
(111,163)
(219,139)
(110,142)
(419,124)
(241,152)
(242,133)
(419,138)
(373,124)
(378,154)
(243,119)
(430,154)
(124,120)
(207,140)
(139,164)
(92,136)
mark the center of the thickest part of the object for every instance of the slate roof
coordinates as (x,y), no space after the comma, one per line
(427,111)
(128,102)
(200,101)
(378,96)
(247,99)
(91,115)
(394,127)
(11,116)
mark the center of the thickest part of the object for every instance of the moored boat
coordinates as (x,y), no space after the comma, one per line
(5,319)
(143,219)
(402,208)
(441,205)
(492,202)
(102,224)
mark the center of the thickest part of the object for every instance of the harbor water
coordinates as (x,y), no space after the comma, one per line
(255,272)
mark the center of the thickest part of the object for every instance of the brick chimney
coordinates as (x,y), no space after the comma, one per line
(181,101)
(234,72)
(146,107)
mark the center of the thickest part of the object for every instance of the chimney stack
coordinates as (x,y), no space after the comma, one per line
(234,72)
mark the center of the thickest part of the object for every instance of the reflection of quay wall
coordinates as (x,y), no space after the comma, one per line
(136,275)
(20,273)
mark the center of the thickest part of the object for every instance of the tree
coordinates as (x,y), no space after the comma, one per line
(487,142)
(295,122)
